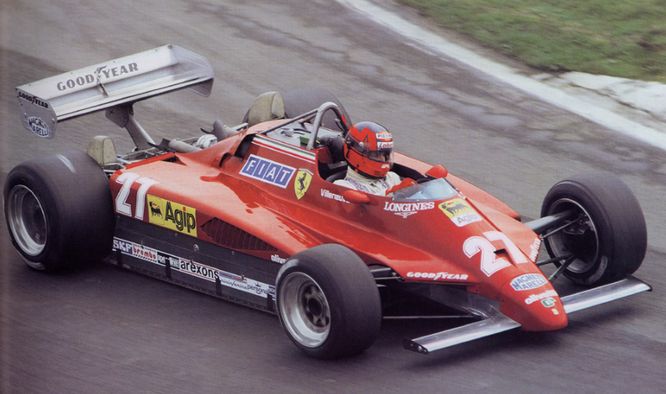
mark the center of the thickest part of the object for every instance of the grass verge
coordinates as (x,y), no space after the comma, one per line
(619,38)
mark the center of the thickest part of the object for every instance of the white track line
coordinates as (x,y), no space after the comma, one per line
(437,44)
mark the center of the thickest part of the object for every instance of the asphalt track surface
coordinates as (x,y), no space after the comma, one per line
(106,330)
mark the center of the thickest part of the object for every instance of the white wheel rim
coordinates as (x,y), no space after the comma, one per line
(304,310)
(27,220)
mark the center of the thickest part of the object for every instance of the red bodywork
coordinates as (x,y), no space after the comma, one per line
(273,222)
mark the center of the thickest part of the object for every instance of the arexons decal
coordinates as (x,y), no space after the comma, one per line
(268,171)
(193,268)
(104,71)
(460,213)
(172,215)
(406,209)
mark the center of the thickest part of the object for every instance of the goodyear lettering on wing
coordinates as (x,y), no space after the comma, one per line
(172,215)
(101,74)
(267,171)
(460,213)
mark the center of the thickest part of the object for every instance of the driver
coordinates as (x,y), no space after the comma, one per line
(369,151)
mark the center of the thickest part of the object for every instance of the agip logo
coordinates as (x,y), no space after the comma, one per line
(460,213)
(172,215)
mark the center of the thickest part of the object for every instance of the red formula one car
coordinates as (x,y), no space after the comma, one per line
(250,214)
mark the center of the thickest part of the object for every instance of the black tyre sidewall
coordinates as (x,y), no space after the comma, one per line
(77,206)
(352,296)
(619,222)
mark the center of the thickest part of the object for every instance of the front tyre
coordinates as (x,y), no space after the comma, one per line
(328,302)
(606,238)
(59,211)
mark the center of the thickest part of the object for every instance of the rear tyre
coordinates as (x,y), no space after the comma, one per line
(328,302)
(59,211)
(298,101)
(608,236)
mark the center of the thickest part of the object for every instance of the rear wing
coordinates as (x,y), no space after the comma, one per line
(114,84)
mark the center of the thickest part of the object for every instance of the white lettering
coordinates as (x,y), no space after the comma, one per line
(536,297)
(443,276)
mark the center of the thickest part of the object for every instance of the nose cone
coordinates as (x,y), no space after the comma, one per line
(531,300)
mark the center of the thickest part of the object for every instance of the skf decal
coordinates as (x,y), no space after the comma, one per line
(460,213)
(302,182)
(172,215)
(406,209)
(267,171)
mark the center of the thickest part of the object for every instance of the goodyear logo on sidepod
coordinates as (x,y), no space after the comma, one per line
(172,215)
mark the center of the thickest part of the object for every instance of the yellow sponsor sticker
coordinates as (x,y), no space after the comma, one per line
(302,182)
(460,213)
(172,215)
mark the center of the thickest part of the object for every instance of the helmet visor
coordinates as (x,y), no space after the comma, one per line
(383,156)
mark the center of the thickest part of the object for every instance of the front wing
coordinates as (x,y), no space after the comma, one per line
(497,322)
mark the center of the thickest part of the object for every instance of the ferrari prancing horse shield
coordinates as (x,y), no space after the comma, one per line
(302,182)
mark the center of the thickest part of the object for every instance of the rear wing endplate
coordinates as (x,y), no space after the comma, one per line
(128,79)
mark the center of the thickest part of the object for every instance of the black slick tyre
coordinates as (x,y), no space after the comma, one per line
(328,302)
(59,211)
(608,239)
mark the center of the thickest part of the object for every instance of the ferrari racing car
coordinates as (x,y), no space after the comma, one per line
(251,214)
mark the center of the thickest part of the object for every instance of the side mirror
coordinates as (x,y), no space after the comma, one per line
(438,171)
(356,197)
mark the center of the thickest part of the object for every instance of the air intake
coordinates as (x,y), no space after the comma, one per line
(232,237)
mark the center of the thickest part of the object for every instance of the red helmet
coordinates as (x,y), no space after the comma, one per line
(369,149)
